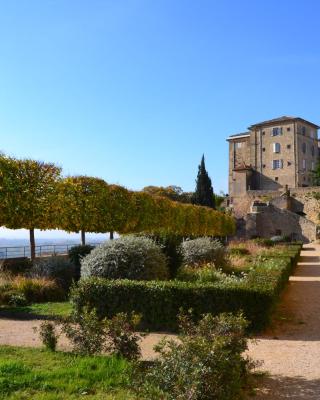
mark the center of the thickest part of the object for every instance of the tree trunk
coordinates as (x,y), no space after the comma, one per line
(111,235)
(83,237)
(32,245)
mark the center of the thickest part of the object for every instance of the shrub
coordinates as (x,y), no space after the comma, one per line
(15,265)
(130,257)
(76,254)
(90,335)
(207,361)
(86,332)
(203,250)
(58,268)
(159,302)
(122,339)
(48,335)
(171,247)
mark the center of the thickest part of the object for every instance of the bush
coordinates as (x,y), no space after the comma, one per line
(171,247)
(122,339)
(130,257)
(58,268)
(206,363)
(15,265)
(204,250)
(90,335)
(86,332)
(48,335)
(76,254)
(159,302)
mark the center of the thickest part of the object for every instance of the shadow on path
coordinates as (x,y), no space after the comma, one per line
(294,388)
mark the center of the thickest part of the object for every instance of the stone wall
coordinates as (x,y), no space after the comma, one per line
(274,221)
(304,200)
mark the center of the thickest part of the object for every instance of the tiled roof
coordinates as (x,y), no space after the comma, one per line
(284,118)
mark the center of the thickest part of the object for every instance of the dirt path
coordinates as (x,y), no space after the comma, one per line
(290,350)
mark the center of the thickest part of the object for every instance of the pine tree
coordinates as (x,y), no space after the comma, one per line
(203,194)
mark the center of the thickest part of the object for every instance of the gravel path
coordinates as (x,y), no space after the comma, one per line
(290,350)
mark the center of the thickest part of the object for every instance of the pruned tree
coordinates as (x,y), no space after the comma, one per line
(82,206)
(27,193)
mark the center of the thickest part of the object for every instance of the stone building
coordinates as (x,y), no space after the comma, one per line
(270,167)
(273,155)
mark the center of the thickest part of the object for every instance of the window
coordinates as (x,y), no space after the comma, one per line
(276,147)
(276,179)
(304,164)
(312,151)
(312,133)
(304,148)
(264,165)
(263,149)
(277,164)
(238,145)
(263,133)
(288,146)
(303,130)
(288,129)
(276,131)
(289,163)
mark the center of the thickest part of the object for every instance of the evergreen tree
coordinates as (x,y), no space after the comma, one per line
(203,194)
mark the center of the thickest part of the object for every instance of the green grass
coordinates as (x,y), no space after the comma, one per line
(51,310)
(27,373)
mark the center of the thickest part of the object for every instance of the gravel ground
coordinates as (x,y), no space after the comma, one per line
(290,350)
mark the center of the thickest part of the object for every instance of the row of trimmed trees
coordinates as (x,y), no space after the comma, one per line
(34,195)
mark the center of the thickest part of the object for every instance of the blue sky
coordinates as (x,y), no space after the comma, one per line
(134,91)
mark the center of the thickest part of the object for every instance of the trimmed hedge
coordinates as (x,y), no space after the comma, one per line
(160,302)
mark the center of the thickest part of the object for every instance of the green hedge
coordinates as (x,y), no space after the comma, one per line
(160,302)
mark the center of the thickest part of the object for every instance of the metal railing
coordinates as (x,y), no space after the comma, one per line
(41,250)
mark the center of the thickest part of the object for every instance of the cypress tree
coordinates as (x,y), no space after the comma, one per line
(203,194)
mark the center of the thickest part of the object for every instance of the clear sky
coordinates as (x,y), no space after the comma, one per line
(134,91)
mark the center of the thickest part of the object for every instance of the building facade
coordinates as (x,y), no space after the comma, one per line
(272,155)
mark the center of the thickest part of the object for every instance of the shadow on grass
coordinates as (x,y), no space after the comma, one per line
(43,311)
(283,387)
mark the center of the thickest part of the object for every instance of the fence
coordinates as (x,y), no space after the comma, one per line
(41,250)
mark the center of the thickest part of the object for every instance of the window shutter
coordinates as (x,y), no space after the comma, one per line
(281,163)
(280,131)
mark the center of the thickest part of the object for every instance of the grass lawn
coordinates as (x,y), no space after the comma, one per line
(27,373)
(51,310)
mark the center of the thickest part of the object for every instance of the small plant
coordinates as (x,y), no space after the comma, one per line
(90,335)
(122,339)
(17,300)
(206,362)
(48,335)
(206,273)
(204,250)
(129,257)
(86,332)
